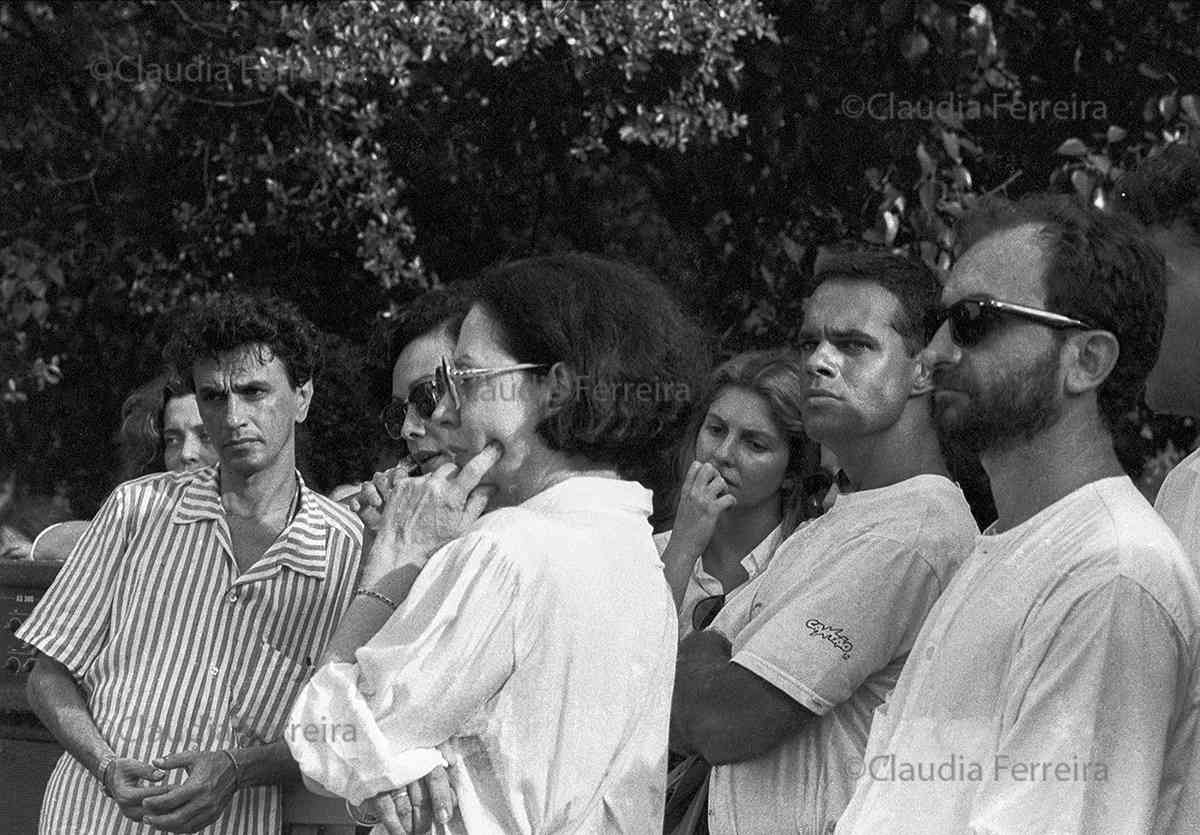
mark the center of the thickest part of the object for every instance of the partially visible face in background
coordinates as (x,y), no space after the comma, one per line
(186,445)
(414,368)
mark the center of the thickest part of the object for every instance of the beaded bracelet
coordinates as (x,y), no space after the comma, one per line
(387,601)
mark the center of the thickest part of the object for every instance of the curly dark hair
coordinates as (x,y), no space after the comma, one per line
(229,321)
(777,375)
(915,286)
(637,358)
(140,435)
(1164,188)
(1102,270)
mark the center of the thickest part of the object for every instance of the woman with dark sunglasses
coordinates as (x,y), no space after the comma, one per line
(742,467)
(532,648)
(414,342)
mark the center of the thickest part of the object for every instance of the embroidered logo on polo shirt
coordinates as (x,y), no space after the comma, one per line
(832,634)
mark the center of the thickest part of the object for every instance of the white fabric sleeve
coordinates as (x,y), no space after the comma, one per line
(1083,740)
(361,729)
(824,637)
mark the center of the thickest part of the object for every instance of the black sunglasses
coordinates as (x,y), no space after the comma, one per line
(706,610)
(423,397)
(973,320)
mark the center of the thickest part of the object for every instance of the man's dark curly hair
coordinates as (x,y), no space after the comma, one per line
(1164,188)
(636,356)
(1101,269)
(230,321)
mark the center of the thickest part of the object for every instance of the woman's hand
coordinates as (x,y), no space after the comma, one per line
(369,500)
(423,513)
(702,499)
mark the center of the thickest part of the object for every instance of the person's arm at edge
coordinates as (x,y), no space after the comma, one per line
(721,710)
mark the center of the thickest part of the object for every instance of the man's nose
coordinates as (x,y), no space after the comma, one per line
(941,350)
(821,361)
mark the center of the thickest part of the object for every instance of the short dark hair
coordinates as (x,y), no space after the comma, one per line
(1164,188)
(915,286)
(141,433)
(1101,269)
(778,376)
(229,321)
(621,333)
(433,309)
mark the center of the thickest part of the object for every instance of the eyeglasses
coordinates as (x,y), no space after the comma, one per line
(447,375)
(972,320)
(706,610)
(423,397)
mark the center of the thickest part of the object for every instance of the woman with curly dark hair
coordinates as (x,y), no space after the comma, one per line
(531,648)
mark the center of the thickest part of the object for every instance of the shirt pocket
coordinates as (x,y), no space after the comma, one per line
(264,690)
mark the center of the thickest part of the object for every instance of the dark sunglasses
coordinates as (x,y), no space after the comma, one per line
(973,320)
(706,610)
(423,397)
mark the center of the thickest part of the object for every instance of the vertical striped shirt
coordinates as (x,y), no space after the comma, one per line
(175,649)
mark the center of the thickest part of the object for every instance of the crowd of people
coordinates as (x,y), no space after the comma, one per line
(490,637)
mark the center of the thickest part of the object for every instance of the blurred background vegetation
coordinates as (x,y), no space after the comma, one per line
(351,156)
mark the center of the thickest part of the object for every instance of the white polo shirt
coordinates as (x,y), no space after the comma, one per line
(830,622)
(1053,688)
(702,585)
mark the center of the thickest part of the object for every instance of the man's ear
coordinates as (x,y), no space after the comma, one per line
(560,383)
(922,375)
(1087,360)
(304,395)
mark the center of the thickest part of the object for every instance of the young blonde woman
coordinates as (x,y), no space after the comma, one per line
(743,464)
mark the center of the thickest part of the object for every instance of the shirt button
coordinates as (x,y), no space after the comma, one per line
(232,596)
(212,671)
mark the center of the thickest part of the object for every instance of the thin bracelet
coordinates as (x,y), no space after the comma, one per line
(237,769)
(391,604)
(371,821)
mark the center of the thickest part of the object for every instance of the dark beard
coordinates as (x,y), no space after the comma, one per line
(1013,410)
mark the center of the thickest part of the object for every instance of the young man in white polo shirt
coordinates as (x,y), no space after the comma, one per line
(778,692)
(1053,687)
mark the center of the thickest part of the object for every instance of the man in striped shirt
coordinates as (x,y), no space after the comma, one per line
(188,616)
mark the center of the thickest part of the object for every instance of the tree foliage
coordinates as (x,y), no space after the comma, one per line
(352,155)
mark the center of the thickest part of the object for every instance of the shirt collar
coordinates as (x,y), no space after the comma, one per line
(755,562)
(302,545)
(592,494)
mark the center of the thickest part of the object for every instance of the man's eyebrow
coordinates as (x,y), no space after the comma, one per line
(852,333)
